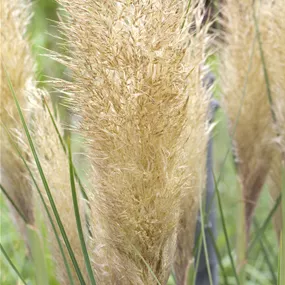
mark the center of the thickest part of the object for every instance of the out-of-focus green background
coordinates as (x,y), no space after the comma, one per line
(40,34)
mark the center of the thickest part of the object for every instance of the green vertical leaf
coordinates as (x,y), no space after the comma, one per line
(78,220)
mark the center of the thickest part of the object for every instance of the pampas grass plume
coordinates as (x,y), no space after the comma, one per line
(16,60)
(275,51)
(136,84)
(245,96)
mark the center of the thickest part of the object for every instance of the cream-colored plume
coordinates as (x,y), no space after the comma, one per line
(55,165)
(137,88)
(16,60)
(196,149)
(276,54)
(245,95)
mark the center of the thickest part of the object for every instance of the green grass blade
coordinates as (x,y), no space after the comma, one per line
(45,183)
(45,206)
(282,252)
(148,267)
(12,264)
(197,252)
(78,221)
(65,151)
(262,229)
(225,231)
(266,255)
(219,257)
(38,256)
(13,204)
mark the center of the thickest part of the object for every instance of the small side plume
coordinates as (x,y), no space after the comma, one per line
(55,165)
(276,68)
(17,64)
(245,93)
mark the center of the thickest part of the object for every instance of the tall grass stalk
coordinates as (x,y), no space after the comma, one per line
(267,256)
(282,252)
(45,183)
(78,220)
(226,232)
(258,234)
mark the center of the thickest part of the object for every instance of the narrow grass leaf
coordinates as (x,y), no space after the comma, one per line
(282,252)
(64,149)
(147,265)
(12,264)
(197,252)
(13,204)
(78,221)
(219,257)
(225,231)
(266,256)
(262,229)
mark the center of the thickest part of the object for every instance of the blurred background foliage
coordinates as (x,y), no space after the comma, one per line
(263,259)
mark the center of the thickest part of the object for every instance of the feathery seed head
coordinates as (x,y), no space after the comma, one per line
(245,94)
(137,84)
(15,56)
(16,61)
(276,54)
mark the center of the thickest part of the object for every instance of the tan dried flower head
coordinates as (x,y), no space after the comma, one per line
(17,62)
(245,95)
(15,56)
(55,166)
(137,84)
(275,52)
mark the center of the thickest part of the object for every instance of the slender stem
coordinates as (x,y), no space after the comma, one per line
(241,240)
(12,264)
(78,220)
(282,257)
